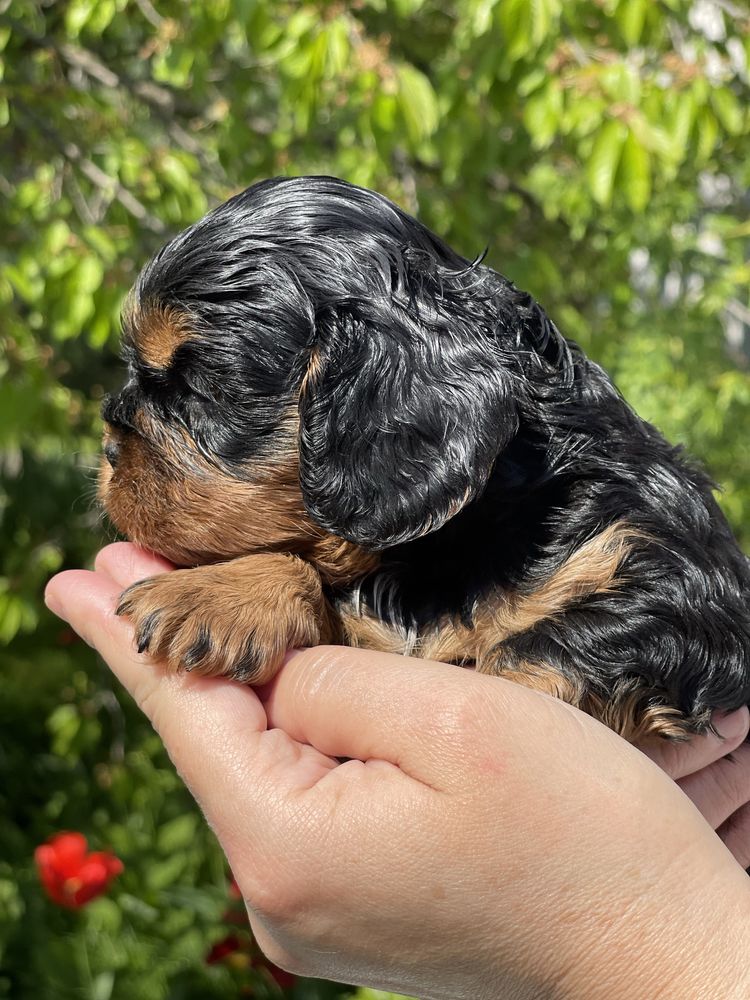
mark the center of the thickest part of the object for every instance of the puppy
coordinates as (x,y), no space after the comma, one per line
(347,433)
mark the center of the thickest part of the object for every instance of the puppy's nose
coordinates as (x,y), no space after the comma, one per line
(111,452)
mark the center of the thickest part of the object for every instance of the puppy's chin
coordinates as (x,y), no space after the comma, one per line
(165,497)
(141,519)
(193,513)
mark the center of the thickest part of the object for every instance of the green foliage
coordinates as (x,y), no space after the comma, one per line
(599,148)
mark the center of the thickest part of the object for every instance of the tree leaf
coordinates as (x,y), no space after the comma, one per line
(631,16)
(337,50)
(516,21)
(417,101)
(77,13)
(634,174)
(727,110)
(177,834)
(541,115)
(708,134)
(682,119)
(604,159)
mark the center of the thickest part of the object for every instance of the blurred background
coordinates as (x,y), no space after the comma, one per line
(599,148)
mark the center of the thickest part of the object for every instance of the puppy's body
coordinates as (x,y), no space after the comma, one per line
(615,582)
(376,442)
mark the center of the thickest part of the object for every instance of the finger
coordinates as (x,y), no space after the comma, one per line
(87,601)
(367,705)
(681,759)
(214,730)
(735,833)
(720,789)
(126,563)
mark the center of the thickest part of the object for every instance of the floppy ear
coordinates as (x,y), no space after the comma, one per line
(399,424)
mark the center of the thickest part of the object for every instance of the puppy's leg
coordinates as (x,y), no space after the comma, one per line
(235,618)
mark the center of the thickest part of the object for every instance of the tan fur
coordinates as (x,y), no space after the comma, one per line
(314,369)
(540,677)
(627,712)
(156,332)
(590,570)
(242,615)
(340,561)
(627,716)
(370,633)
(165,496)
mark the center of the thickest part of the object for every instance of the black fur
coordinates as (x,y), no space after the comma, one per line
(446,422)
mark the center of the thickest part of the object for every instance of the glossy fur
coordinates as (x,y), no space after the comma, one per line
(333,382)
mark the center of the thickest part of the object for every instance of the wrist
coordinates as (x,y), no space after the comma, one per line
(680,932)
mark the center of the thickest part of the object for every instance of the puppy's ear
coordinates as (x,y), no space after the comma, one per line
(400,422)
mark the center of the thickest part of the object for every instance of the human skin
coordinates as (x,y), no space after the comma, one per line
(481,841)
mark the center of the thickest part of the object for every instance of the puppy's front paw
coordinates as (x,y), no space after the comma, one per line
(221,619)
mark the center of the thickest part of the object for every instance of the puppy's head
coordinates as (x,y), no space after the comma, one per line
(310,370)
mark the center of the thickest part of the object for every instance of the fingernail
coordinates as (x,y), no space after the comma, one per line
(730,725)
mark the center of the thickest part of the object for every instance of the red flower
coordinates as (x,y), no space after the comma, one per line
(243,952)
(282,978)
(70,874)
(236,914)
(223,949)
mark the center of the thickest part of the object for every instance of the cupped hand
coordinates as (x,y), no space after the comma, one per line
(714,772)
(479,840)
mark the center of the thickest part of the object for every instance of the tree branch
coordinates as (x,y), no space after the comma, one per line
(109,185)
(157,97)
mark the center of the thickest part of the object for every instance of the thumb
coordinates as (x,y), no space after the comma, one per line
(214,730)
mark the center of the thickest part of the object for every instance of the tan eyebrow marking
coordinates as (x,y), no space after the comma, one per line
(156,332)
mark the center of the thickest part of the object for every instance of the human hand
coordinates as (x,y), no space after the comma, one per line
(484,840)
(714,772)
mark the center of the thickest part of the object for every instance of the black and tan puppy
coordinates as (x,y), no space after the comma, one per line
(348,433)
